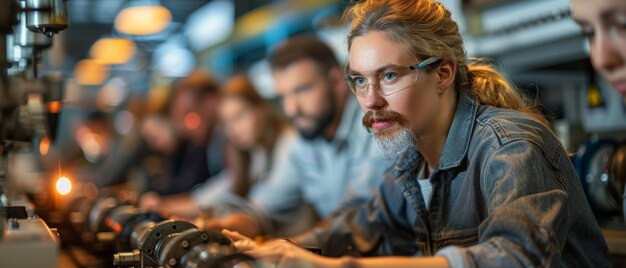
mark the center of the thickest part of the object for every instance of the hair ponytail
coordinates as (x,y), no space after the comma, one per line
(491,88)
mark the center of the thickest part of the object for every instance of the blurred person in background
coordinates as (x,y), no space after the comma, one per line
(191,138)
(333,164)
(159,133)
(481,180)
(258,137)
(101,155)
(604,24)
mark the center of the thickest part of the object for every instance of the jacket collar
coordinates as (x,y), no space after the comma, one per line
(457,142)
(460,134)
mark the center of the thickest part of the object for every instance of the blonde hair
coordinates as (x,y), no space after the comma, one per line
(426,28)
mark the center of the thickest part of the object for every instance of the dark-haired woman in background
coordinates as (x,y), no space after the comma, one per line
(257,139)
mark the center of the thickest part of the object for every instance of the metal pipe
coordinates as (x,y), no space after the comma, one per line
(4,62)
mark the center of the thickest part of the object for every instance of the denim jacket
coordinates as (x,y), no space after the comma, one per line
(505,194)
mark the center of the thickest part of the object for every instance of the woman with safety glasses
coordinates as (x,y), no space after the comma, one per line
(480,180)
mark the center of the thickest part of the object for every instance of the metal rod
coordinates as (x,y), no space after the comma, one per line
(3,60)
(35,64)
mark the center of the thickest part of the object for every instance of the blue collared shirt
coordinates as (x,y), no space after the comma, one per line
(329,175)
(505,194)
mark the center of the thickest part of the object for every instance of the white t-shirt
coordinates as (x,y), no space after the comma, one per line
(425,186)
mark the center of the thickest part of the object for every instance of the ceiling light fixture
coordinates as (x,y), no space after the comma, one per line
(143,17)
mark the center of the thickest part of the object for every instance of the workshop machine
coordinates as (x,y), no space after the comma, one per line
(29,105)
(127,236)
(112,230)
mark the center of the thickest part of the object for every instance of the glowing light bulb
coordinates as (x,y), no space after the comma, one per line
(63,185)
(44,146)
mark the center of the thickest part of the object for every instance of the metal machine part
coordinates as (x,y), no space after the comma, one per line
(19,47)
(26,46)
(127,259)
(77,213)
(617,175)
(13,56)
(598,179)
(25,110)
(101,226)
(27,38)
(123,220)
(99,212)
(617,171)
(8,18)
(25,98)
(176,246)
(47,16)
(149,236)
(145,239)
(32,118)
(24,237)
(601,165)
(173,243)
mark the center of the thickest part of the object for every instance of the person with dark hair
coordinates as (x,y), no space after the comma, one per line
(190,137)
(257,139)
(332,165)
(313,112)
(259,134)
(479,180)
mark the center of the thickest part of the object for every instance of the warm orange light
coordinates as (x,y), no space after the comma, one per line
(90,73)
(44,146)
(143,20)
(254,22)
(110,51)
(64,186)
(192,120)
(54,107)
